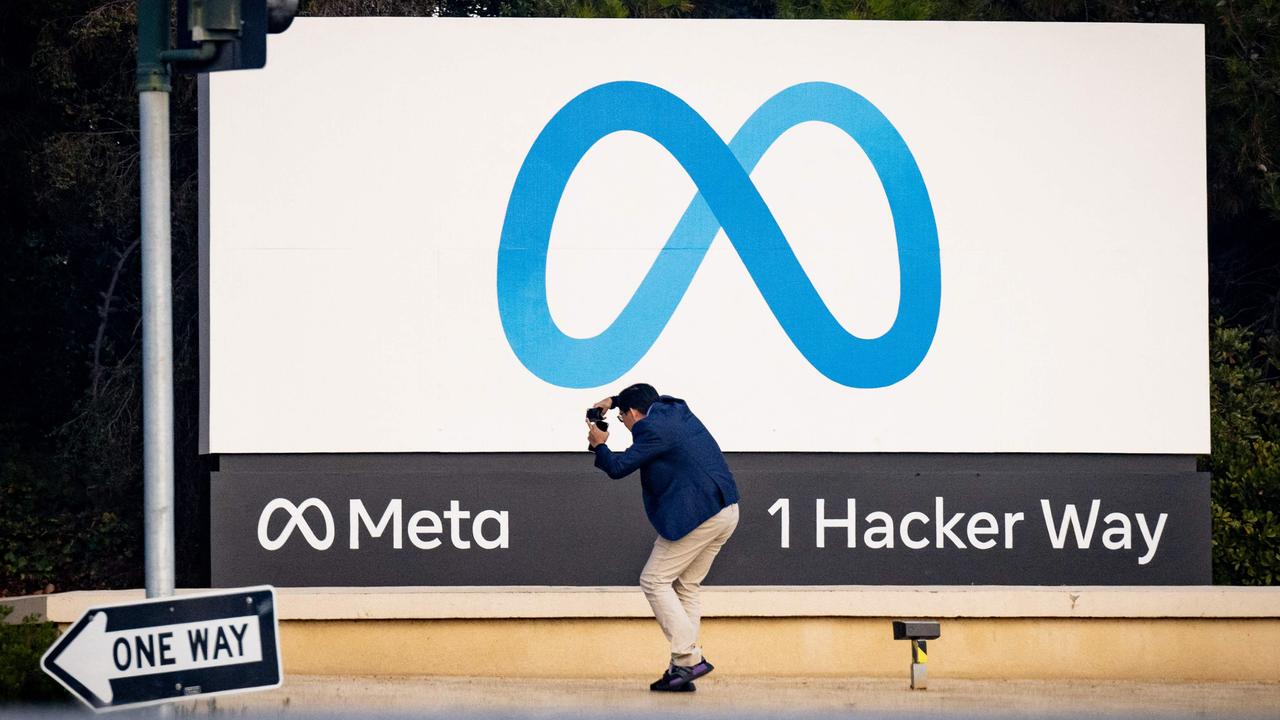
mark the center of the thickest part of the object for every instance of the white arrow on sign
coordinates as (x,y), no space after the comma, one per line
(95,657)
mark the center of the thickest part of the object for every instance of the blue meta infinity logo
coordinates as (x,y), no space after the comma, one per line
(726,198)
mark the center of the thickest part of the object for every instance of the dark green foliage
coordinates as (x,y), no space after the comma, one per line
(21,646)
(56,538)
(70,419)
(1246,458)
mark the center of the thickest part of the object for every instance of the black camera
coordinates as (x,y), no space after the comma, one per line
(596,415)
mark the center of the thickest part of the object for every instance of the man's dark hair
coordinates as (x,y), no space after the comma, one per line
(637,397)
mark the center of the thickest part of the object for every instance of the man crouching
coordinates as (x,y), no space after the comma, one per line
(691,500)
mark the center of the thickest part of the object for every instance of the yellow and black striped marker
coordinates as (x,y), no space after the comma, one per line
(919,653)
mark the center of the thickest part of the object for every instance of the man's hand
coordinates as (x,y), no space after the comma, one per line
(595,435)
(605,404)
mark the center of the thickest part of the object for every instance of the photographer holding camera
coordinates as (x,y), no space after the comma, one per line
(691,500)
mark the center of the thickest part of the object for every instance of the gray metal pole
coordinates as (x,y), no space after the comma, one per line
(157,343)
(157,302)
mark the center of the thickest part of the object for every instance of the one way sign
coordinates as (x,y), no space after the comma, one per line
(144,653)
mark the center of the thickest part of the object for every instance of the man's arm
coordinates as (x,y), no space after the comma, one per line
(646,445)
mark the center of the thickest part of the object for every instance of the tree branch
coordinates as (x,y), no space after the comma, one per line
(104,314)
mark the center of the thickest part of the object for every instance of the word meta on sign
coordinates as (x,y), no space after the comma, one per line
(488,529)
(1065,525)
(164,649)
(726,198)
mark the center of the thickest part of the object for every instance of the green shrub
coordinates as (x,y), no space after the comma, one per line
(63,531)
(1245,463)
(21,645)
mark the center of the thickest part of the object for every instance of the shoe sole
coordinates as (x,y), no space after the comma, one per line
(682,689)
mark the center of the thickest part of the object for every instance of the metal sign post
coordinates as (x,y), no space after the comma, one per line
(220,35)
(157,297)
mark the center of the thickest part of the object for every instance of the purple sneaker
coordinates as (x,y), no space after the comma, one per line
(679,678)
(674,679)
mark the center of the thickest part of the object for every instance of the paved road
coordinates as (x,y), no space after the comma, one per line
(737,697)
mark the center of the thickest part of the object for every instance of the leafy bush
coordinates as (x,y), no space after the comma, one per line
(65,531)
(21,645)
(1245,463)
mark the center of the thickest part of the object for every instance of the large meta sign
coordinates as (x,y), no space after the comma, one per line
(827,236)
(144,653)
(941,286)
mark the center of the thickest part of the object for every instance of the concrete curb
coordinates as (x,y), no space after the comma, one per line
(424,603)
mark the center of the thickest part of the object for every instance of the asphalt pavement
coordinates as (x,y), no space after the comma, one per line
(737,697)
(460,698)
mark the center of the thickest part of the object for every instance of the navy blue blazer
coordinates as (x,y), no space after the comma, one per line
(683,475)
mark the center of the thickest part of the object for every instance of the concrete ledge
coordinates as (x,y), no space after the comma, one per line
(1164,650)
(1188,634)
(426,603)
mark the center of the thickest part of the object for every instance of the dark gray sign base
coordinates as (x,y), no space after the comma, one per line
(552,519)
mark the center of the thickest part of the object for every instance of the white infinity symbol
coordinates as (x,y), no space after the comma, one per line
(296,521)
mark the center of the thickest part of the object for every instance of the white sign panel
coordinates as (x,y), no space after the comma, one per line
(456,234)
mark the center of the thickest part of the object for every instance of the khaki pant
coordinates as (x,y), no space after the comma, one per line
(672,581)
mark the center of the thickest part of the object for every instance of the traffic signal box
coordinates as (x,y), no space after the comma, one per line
(217,35)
